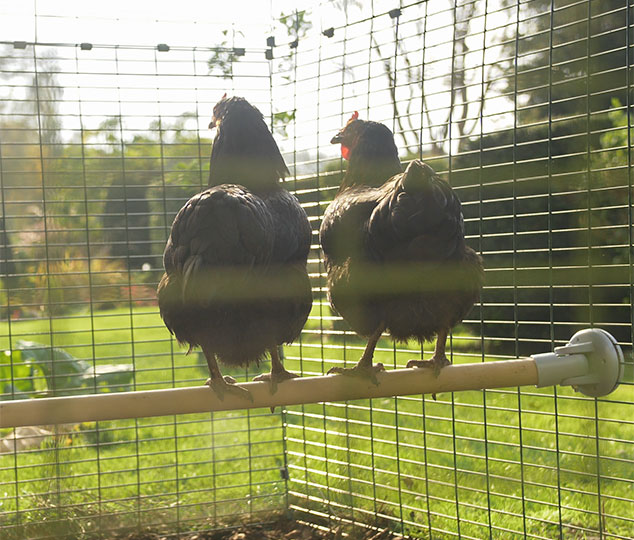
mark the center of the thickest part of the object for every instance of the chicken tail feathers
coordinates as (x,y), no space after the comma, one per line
(420,216)
(190,268)
(418,178)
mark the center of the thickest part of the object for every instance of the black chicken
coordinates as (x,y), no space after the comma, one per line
(394,248)
(235,279)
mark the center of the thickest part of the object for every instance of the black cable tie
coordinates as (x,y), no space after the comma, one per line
(269,54)
(270,41)
(394,13)
(162,47)
(329,32)
(239,51)
(294,44)
(85,46)
(19,44)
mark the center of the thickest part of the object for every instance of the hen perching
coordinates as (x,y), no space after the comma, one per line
(235,279)
(394,248)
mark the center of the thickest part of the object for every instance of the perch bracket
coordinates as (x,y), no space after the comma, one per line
(591,363)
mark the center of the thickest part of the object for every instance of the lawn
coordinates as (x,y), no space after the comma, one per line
(502,463)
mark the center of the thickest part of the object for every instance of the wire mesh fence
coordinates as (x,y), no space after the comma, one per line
(525,108)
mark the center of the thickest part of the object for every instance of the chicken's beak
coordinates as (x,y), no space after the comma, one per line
(213,123)
(337,139)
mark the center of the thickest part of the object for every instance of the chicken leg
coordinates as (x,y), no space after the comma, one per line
(278,373)
(221,385)
(439,360)
(364,367)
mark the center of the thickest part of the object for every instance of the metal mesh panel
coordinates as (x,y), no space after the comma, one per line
(523,107)
(101,145)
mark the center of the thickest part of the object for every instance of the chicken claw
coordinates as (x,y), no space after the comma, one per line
(368,372)
(275,377)
(227,384)
(364,367)
(437,363)
(439,359)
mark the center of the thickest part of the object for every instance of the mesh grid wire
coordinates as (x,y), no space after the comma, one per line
(525,107)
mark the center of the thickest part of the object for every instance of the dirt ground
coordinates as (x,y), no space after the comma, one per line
(282,530)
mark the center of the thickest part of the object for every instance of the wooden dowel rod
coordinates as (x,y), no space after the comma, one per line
(399,382)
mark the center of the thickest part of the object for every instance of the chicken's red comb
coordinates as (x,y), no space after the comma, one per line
(355,116)
(223,96)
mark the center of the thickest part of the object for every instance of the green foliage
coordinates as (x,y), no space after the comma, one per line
(33,369)
(19,378)
(281,120)
(4,309)
(615,141)
(68,281)
(296,24)
(113,203)
(222,58)
(63,372)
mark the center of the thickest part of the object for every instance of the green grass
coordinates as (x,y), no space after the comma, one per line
(177,471)
(501,462)
(115,336)
(504,462)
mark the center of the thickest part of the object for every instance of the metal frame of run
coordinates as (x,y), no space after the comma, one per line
(524,107)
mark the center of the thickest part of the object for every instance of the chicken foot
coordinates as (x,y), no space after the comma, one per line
(438,361)
(223,384)
(278,373)
(364,367)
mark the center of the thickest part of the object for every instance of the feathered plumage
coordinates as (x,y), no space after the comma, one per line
(235,279)
(394,247)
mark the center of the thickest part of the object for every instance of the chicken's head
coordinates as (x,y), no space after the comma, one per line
(364,138)
(220,109)
(370,150)
(348,136)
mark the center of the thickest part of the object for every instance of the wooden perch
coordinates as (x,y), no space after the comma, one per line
(591,362)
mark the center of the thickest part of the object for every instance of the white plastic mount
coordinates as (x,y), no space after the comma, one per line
(591,363)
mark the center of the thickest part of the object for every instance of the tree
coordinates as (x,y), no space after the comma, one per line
(404,58)
(549,247)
